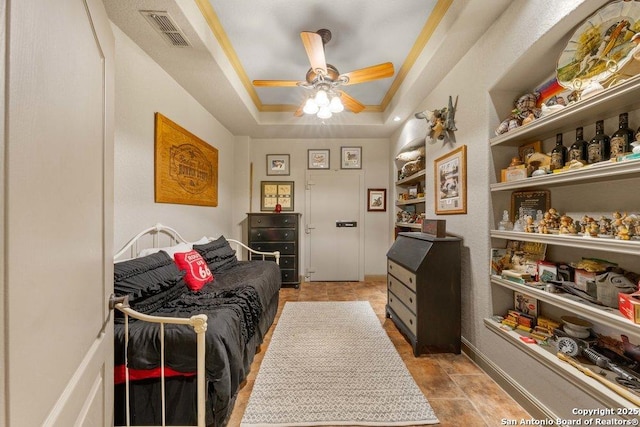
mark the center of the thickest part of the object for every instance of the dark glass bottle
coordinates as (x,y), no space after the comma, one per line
(622,138)
(558,154)
(578,150)
(598,148)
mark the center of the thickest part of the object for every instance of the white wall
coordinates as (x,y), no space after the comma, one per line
(375,164)
(143,88)
(511,58)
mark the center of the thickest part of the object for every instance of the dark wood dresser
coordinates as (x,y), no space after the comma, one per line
(423,291)
(277,232)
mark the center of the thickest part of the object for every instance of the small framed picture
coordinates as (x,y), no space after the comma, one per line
(277,164)
(318,159)
(526,150)
(351,157)
(377,199)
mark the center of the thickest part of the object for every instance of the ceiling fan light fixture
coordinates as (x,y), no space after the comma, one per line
(310,106)
(321,98)
(324,113)
(335,106)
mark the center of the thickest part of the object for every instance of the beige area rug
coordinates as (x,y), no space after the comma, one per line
(332,363)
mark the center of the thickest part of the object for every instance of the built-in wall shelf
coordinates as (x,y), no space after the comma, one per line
(596,243)
(598,172)
(607,316)
(608,103)
(412,179)
(410,201)
(411,225)
(547,356)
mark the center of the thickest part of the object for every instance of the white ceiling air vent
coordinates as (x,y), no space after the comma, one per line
(166,26)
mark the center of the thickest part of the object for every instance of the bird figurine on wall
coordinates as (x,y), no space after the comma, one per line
(441,122)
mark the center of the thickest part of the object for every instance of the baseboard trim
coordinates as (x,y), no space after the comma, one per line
(375,278)
(532,405)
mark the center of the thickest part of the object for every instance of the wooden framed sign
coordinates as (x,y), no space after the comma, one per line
(186,167)
(529,202)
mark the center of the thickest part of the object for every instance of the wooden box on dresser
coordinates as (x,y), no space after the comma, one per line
(601,188)
(423,291)
(277,232)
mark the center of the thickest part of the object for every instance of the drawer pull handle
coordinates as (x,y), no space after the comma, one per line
(259,221)
(410,279)
(390,267)
(411,321)
(411,300)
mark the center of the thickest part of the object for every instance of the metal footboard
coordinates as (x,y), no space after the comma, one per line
(199,325)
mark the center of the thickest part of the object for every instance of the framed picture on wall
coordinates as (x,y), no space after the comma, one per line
(351,157)
(276,192)
(377,200)
(318,159)
(450,181)
(277,164)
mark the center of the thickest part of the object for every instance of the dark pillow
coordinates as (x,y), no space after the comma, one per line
(149,281)
(218,254)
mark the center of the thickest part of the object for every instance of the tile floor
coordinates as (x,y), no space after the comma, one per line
(460,393)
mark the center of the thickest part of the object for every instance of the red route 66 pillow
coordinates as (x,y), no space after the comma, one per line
(197,272)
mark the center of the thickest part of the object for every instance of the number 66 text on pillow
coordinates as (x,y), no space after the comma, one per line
(197,273)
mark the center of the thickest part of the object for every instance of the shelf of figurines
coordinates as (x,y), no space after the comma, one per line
(597,172)
(597,313)
(549,356)
(580,241)
(610,102)
(620,233)
(412,179)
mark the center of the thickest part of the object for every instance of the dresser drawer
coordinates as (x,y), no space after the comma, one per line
(406,295)
(403,313)
(288,262)
(281,220)
(289,276)
(285,248)
(272,234)
(405,276)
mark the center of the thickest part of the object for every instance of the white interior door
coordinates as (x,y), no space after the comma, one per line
(334,226)
(58,214)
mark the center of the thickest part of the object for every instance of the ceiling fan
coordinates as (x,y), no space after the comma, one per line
(323,79)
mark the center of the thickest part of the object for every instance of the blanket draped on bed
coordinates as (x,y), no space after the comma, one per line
(244,301)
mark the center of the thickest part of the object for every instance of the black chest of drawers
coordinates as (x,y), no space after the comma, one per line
(423,291)
(277,232)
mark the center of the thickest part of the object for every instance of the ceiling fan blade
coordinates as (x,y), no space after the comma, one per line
(299,112)
(375,72)
(275,83)
(351,103)
(315,50)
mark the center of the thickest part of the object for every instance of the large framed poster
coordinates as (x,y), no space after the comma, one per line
(450,181)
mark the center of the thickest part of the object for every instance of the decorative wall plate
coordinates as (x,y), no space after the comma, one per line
(600,46)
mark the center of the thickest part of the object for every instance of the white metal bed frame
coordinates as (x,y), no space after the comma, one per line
(198,322)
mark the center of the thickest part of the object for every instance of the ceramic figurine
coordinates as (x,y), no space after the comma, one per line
(505,224)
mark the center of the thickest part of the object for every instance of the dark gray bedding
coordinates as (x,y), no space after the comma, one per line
(239,304)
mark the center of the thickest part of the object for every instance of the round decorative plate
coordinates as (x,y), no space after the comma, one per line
(600,46)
